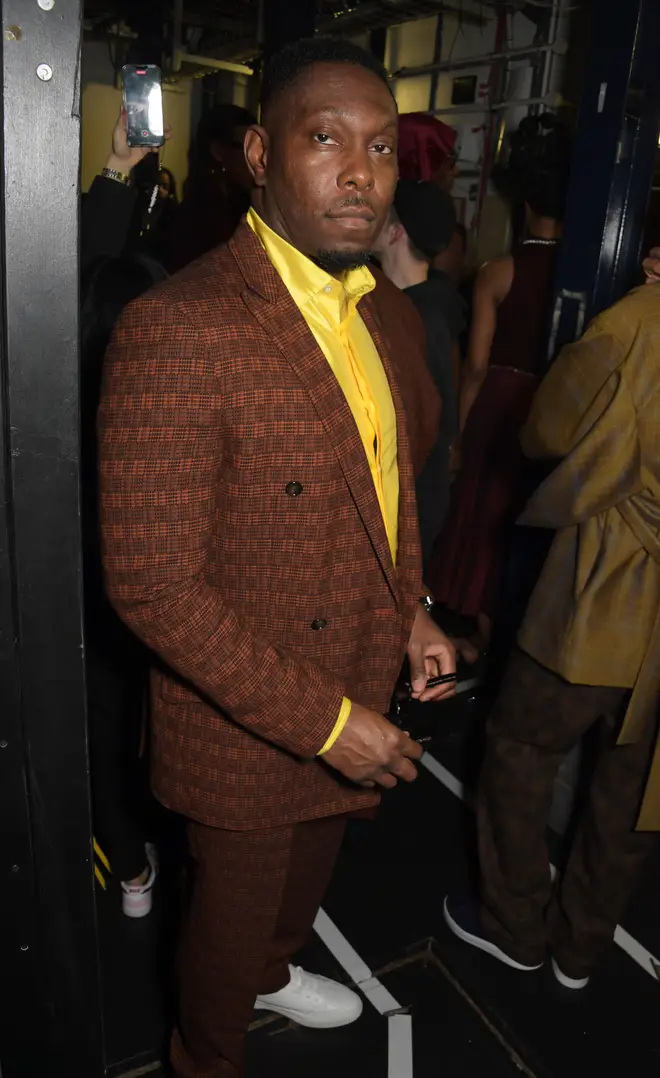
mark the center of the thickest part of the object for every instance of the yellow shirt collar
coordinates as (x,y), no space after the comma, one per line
(303,278)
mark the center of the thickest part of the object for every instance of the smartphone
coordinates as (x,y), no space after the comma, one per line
(143,102)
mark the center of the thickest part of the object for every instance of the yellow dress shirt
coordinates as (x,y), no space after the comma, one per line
(329,306)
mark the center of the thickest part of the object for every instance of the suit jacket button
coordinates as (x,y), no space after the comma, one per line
(319,623)
(293,489)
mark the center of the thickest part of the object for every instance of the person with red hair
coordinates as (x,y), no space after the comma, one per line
(427,150)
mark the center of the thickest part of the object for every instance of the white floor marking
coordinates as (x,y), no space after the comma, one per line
(625,941)
(638,953)
(400,1046)
(440,772)
(350,961)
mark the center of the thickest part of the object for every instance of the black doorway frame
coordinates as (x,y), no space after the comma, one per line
(51,1018)
(612,170)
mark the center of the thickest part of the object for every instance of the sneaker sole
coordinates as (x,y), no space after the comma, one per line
(137,912)
(309,1021)
(485,945)
(573,983)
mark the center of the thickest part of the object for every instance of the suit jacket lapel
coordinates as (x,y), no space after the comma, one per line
(409,553)
(271,304)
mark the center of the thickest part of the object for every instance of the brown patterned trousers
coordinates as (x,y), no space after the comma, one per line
(255,896)
(538,717)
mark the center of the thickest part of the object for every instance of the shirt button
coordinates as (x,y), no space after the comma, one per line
(328,288)
(319,623)
(293,489)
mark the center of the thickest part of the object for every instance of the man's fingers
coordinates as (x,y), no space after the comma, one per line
(406,770)
(412,749)
(439,692)
(387,780)
(418,674)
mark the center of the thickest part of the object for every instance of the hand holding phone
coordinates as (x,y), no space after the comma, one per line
(143,104)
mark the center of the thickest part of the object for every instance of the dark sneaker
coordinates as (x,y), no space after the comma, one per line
(462,916)
(574,983)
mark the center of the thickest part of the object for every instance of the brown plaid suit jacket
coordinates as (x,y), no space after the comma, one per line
(217,399)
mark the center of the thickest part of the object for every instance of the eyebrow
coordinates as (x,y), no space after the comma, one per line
(333,110)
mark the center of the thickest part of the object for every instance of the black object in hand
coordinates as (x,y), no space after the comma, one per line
(418,719)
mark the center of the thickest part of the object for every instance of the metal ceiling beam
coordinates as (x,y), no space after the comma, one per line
(484,60)
(371,13)
(367,15)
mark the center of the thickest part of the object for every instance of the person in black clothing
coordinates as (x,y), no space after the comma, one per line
(217,191)
(421,225)
(156,211)
(111,277)
(447,270)
(108,211)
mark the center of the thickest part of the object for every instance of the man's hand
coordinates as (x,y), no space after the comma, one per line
(124,158)
(371,750)
(431,653)
(651,266)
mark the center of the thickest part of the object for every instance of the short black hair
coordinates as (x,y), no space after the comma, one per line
(286,65)
(218,125)
(544,192)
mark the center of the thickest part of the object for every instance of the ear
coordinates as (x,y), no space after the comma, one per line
(397,233)
(256,154)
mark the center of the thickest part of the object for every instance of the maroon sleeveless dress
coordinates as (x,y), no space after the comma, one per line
(468,560)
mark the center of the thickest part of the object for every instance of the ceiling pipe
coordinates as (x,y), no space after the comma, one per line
(551,101)
(560,48)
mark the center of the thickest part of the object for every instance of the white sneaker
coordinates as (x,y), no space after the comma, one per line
(576,983)
(136,901)
(314,1002)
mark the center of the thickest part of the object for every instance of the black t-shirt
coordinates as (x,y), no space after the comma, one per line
(430,299)
(452,303)
(432,486)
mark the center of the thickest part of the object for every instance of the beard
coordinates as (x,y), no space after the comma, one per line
(340,261)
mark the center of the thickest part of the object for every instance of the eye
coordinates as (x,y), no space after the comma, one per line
(323,139)
(383,149)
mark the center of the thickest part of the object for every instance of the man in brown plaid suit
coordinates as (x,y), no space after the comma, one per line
(588,657)
(259,529)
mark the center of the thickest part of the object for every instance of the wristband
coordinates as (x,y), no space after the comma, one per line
(115,174)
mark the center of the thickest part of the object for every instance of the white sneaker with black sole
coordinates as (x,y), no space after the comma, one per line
(313,1002)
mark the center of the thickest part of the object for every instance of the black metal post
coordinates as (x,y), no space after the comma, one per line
(378,42)
(49,975)
(437,57)
(616,143)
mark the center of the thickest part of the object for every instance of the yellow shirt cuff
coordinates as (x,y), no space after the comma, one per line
(339,725)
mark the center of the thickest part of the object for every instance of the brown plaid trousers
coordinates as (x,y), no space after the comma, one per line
(537,718)
(216,400)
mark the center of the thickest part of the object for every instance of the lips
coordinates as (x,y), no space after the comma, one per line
(353,213)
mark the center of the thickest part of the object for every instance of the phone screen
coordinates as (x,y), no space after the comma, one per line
(143,101)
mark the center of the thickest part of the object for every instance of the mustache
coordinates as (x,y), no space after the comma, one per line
(355,200)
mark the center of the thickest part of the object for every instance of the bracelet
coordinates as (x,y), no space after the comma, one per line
(115,174)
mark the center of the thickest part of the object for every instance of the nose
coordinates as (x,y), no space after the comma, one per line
(357,171)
